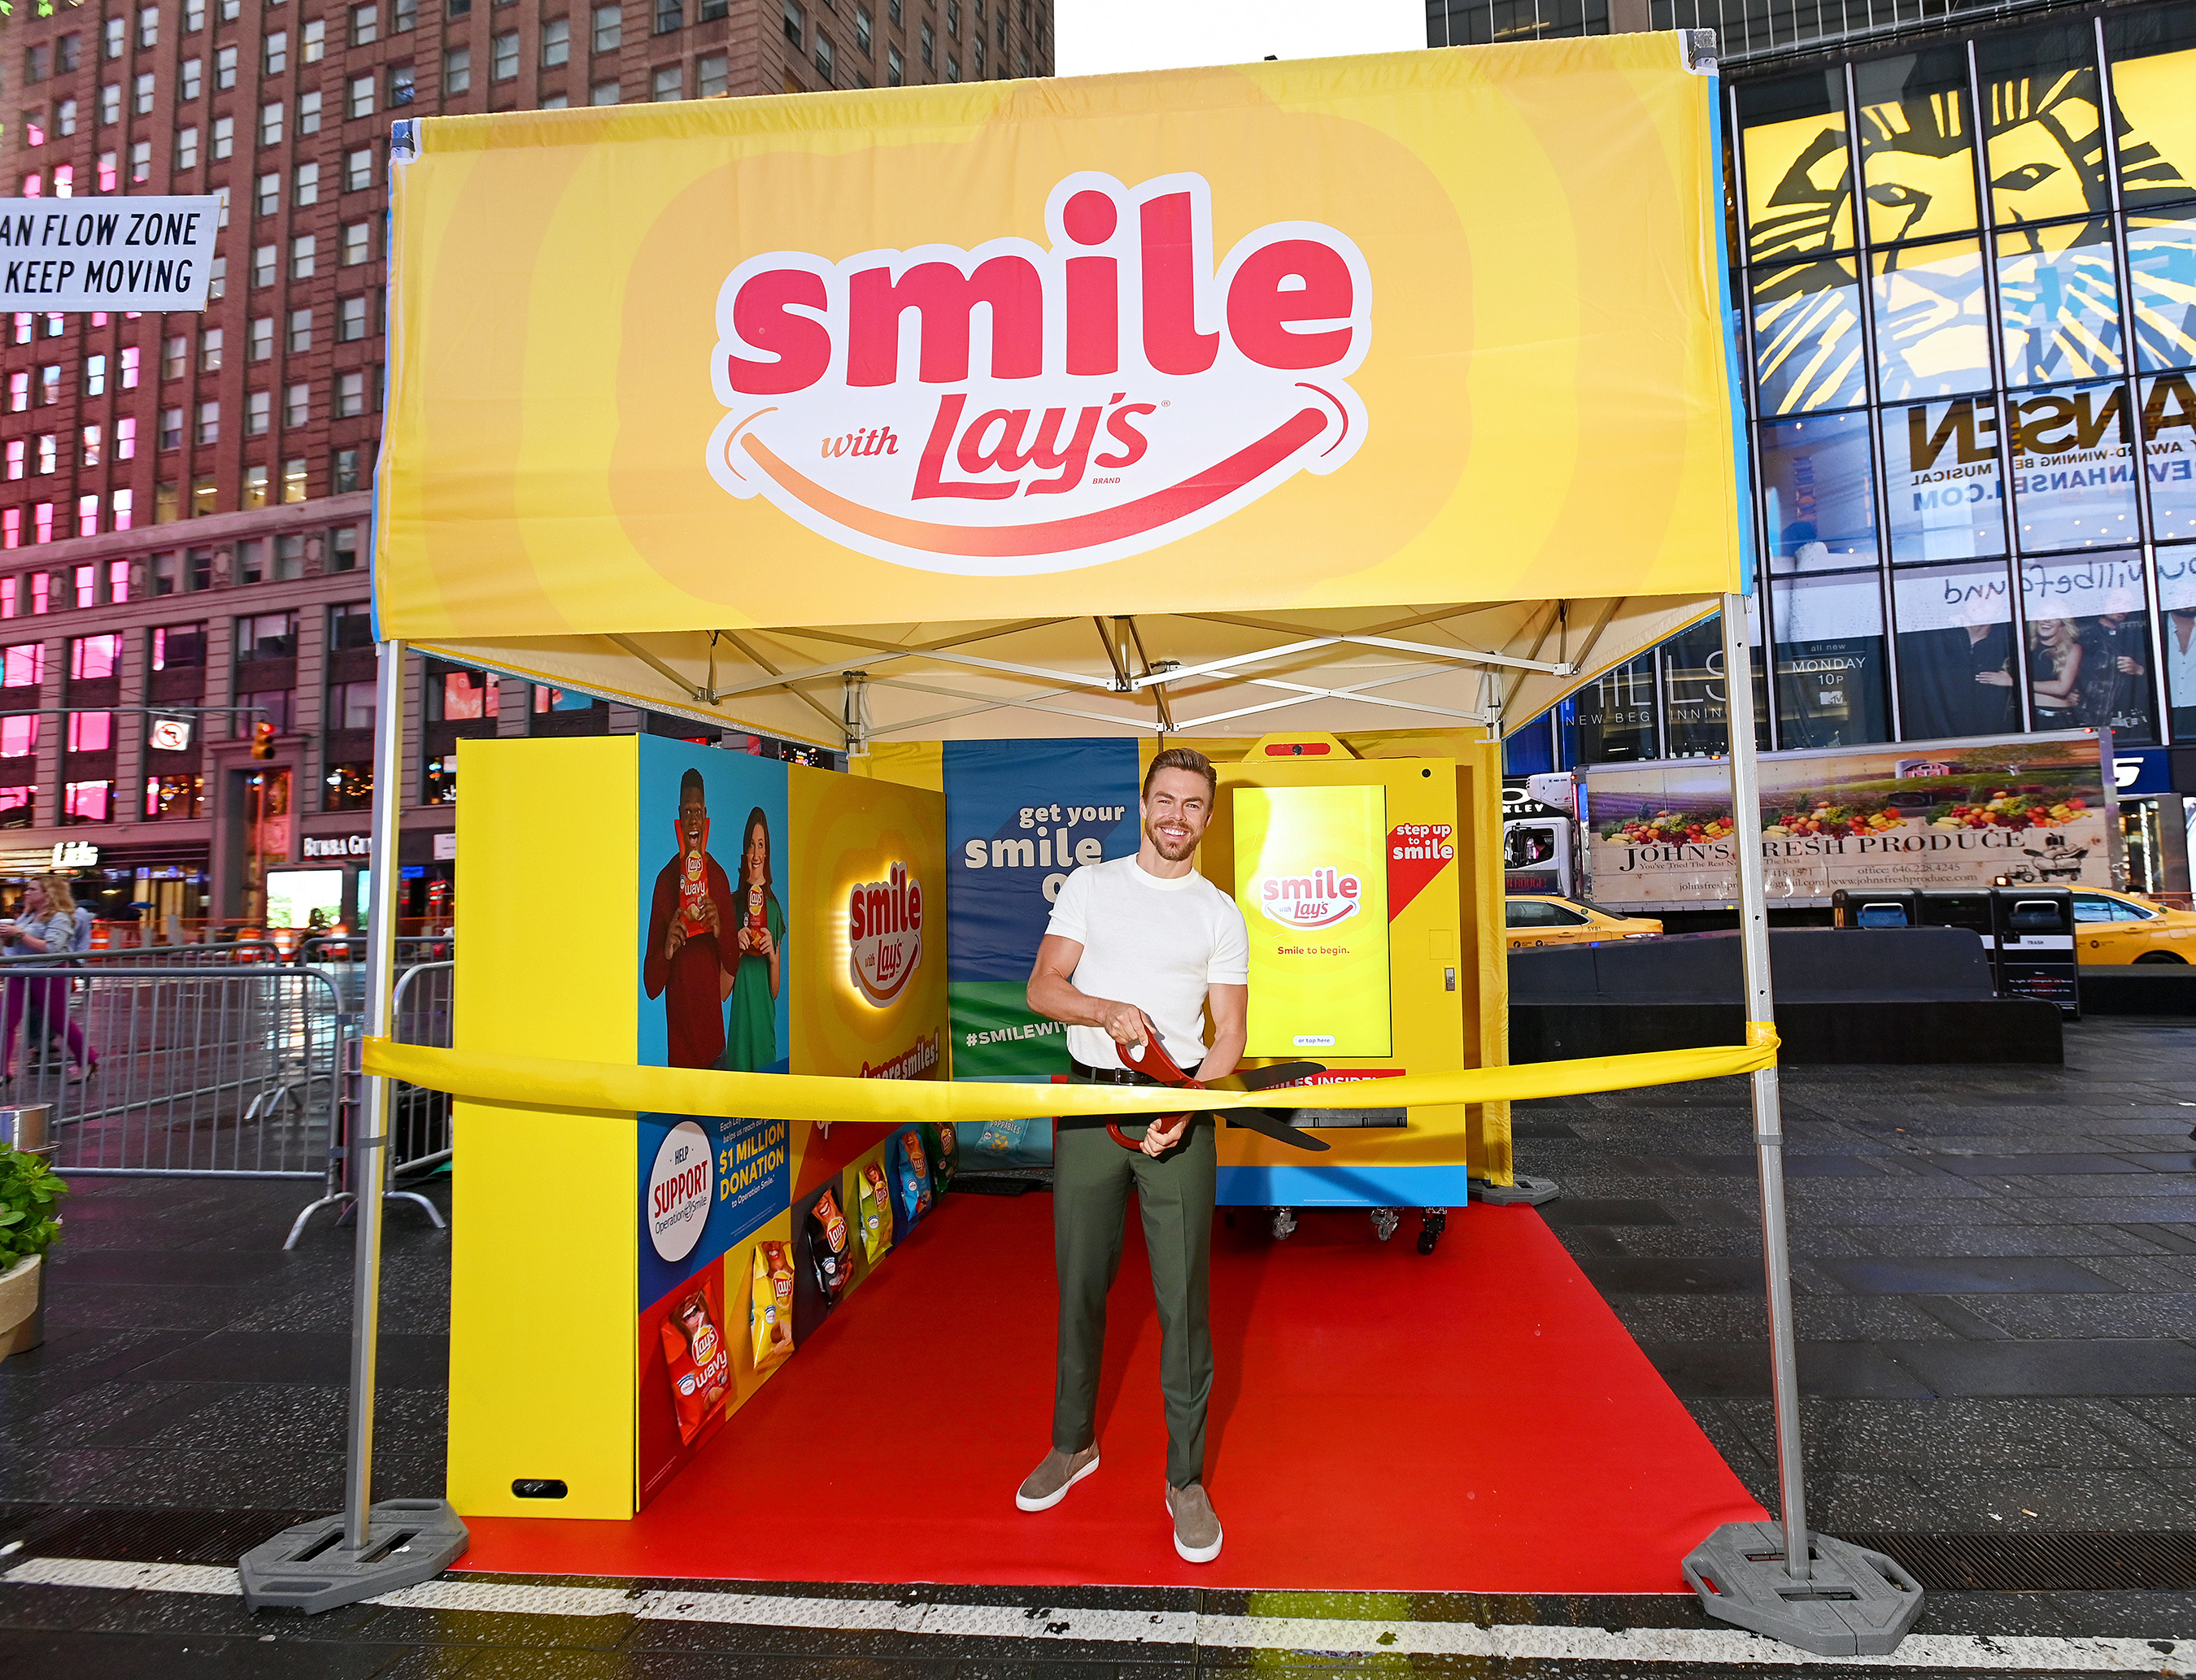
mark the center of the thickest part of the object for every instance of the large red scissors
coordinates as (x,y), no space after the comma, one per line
(1150,1058)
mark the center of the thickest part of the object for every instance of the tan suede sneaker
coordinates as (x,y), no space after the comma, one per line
(1196,1528)
(1049,1482)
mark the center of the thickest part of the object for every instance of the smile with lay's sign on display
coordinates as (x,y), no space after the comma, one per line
(1277,335)
(1311,880)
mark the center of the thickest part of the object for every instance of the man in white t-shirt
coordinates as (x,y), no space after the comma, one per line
(1137,947)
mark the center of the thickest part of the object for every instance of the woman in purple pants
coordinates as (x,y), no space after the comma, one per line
(46,925)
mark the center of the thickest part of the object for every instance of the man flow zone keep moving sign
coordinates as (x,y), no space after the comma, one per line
(1311,881)
(59,255)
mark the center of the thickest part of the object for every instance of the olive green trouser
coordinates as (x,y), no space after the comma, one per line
(1090,1182)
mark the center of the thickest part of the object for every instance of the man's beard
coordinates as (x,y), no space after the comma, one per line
(1173,851)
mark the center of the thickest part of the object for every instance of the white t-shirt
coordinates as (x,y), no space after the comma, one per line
(1157,943)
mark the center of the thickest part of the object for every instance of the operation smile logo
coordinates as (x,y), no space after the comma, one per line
(1319,899)
(884,931)
(1021,409)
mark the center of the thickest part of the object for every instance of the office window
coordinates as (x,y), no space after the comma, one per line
(670,15)
(603,93)
(224,134)
(457,70)
(359,101)
(194,16)
(929,43)
(308,189)
(668,84)
(314,42)
(189,84)
(258,412)
(309,113)
(209,422)
(49,449)
(300,330)
(824,56)
(224,67)
(343,548)
(187,148)
(94,441)
(94,376)
(49,384)
(556,42)
(110,103)
(297,405)
(255,492)
(365,26)
(87,525)
(125,438)
(141,161)
(64,180)
(148,26)
(265,636)
(24,665)
(350,319)
(42,584)
(358,169)
(19,456)
(267,197)
(276,52)
(18,391)
(504,54)
(952,17)
(609,28)
(402,85)
(91,731)
(795,25)
(301,250)
(175,356)
(356,236)
(141,98)
(262,264)
(862,29)
(109,175)
(210,349)
(952,68)
(712,75)
(293,482)
(171,428)
(350,394)
(976,57)
(130,354)
(556,101)
(114,38)
(402,15)
(343,471)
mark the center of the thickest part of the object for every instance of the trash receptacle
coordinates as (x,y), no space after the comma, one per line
(2035,927)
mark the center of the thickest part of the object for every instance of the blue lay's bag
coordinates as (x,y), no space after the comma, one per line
(911,1176)
(994,1145)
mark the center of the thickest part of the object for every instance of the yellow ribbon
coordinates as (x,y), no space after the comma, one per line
(612,1087)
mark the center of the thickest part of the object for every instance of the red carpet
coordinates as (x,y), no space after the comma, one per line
(1477,1421)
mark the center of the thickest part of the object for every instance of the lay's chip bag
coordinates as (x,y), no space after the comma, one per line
(876,1212)
(943,1144)
(700,1366)
(831,1247)
(770,1312)
(911,1176)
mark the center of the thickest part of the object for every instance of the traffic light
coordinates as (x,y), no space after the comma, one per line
(262,740)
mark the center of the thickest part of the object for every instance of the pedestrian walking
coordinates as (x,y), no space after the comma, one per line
(45,927)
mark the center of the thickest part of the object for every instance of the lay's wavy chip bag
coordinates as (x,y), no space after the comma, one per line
(770,1311)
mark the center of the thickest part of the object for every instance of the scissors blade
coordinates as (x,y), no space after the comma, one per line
(1266,1078)
(1268,1123)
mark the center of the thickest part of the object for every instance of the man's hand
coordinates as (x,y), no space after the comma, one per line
(674,937)
(1157,1141)
(1124,1023)
(712,917)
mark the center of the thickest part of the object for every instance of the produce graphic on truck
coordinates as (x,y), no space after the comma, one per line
(2022,810)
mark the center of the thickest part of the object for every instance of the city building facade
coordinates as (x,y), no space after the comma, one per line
(184,513)
(1964,299)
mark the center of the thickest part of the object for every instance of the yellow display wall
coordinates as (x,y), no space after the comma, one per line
(540,1308)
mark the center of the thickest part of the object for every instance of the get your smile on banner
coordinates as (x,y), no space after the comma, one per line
(608,1087)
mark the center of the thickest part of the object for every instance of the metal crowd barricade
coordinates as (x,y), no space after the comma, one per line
(419,1122)
(204,1060)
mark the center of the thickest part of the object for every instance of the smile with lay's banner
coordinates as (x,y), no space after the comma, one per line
(1434,327)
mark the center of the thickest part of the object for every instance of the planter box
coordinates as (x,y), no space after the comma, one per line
(19,1306)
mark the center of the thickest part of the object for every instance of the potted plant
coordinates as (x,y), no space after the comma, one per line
(28,1190)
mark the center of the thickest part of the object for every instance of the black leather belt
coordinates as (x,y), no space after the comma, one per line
(1109,1076)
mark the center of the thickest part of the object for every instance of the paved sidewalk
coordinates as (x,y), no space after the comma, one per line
(1996,1272)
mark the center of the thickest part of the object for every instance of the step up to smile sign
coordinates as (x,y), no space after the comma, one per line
(1430,327)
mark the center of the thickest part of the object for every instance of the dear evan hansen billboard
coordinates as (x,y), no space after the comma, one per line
(1020,815)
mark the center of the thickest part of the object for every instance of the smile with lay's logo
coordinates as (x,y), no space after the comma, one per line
(1320,898)
(1021,408)
(884,930)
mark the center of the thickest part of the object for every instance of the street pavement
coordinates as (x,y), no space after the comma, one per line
(1996,1278)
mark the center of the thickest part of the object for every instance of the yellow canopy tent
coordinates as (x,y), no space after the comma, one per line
(1392,392)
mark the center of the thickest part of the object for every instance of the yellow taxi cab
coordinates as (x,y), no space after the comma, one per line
(2116,927)
(1544,919)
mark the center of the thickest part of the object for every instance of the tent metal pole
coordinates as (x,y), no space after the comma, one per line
(1768,1121)
(371,1141)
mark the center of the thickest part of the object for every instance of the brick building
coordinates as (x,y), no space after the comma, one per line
(183,517)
